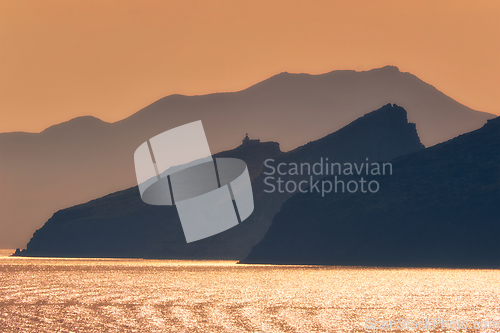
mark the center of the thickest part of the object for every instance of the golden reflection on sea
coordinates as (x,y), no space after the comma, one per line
(123,295)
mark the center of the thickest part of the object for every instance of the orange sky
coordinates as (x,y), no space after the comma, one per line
(61,59)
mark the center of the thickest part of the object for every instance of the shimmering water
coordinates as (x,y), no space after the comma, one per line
(107,295)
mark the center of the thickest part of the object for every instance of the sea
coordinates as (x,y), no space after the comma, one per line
(138,295)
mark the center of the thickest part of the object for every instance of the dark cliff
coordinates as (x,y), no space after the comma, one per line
(121,225)
(440,208)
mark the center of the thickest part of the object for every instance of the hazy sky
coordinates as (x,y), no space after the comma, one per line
(61,59)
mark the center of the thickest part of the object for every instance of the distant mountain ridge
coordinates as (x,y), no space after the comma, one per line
(121,225)
(440,208)
(85,158)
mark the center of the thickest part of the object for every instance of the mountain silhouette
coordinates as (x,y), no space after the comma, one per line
(121,225)
(85,158)
(440,208)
